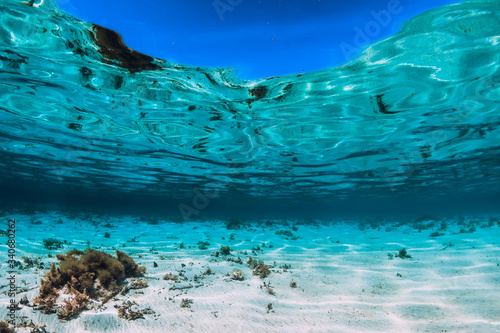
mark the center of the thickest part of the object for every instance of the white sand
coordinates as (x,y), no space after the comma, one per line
(350,286)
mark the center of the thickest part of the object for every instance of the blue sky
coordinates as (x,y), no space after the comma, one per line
(258,38)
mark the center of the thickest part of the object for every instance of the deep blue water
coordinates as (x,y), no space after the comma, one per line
(413,124)
(258,39)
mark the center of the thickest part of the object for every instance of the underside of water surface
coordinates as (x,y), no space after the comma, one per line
(416,117)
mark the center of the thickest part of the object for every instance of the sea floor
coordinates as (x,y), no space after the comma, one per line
(347,273)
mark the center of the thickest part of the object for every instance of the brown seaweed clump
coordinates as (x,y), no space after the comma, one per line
(186,303)
(4,328)
(171,277)
(85,275)
(74,305)
(403,254)
(258,267)
(52,244)
(225,250)
(125,311)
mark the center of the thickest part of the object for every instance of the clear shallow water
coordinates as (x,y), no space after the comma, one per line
(84,121)
(416,116)
(348,275)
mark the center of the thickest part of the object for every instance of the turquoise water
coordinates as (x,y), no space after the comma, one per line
(105,149)
(415,117)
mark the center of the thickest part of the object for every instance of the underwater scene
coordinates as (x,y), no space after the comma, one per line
(144,195)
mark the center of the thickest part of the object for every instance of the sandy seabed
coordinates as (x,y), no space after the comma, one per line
(346,280)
